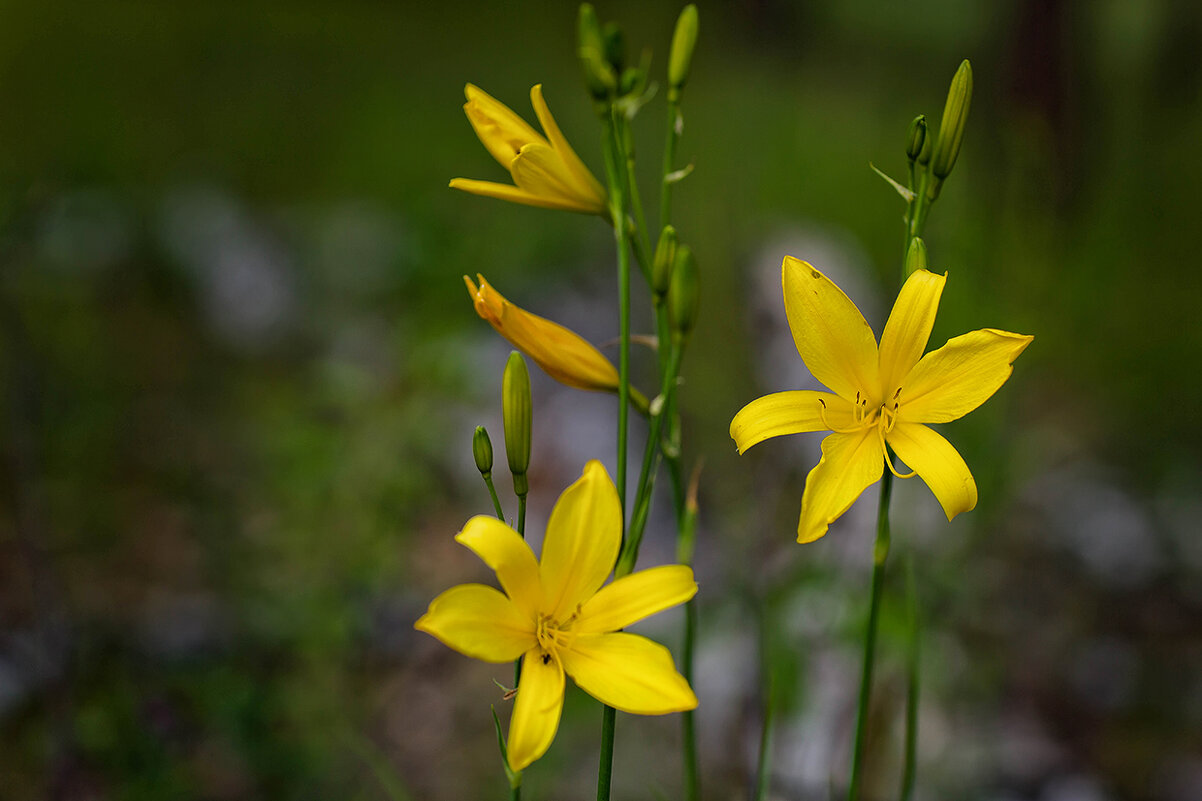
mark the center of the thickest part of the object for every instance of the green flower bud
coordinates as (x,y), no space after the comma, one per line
(615,47)
(680,57)
(517,414)
(951,127)
(665,258)
(482,451)
(683,293)
(916,139)
(598,75)
(916,256)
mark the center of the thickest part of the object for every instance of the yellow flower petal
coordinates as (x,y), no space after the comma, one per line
(909,327)
(563,354)
(547,173)
(514,194)
(537,169)
(950,382)
(504,550)
(849,464)
(584,179)
(582,541)
(833,338)
(788,413)
(480,622)
(938,463)
(628,672)
(500,130)
(634,597)
(535,710)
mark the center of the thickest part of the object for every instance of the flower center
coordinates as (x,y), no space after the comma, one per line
(553,635)
(864,415)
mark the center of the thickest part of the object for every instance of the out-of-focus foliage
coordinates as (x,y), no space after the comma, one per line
(239,379)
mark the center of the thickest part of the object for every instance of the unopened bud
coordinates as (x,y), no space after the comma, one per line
(951,127)
(683,294)
(665,258)
(598,75)
(517,414)
(482,451)
(916,139)
(615,46)
(680,57)
(916,256)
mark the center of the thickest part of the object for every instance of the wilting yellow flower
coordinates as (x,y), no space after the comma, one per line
(546,171)
(881,396)
(562,353)
(555,614)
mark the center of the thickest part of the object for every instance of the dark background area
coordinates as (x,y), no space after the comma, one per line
(239,376)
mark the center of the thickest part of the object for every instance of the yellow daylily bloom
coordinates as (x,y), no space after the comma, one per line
(557,617)
(546,171)
(562,353)
(881,396)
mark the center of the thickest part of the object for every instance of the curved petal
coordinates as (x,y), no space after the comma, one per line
(634,597)
(562,353)
(909,327)
(834,340)
(584,179)
(849,464)
(499,129)
(539,170)
(535,710)
(581,546)
(791,412)
(515,195)
(480,622)
(628,672)
(950,382)
(504,550)
(938,463)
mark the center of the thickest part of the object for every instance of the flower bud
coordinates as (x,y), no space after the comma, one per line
(951,127)
(683,293)
(680,57)
(916,256)
(615,47)
(598,75)
(517,414)
(482,451)
(916,139)
(665,257)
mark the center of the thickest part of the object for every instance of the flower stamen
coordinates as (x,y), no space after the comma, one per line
(858,419)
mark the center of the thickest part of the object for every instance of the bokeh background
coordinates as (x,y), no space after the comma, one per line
(239,374)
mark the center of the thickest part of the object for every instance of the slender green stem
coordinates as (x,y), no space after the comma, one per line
(639,238)
(692,773)
(880,552)
(605,769)
(496,502)
(673,134)
(642,498)
(914,659)
(617,210)
(521,521)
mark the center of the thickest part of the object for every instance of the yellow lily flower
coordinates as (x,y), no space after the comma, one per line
(882,396)
(546,171)
(557,617)
(562,353)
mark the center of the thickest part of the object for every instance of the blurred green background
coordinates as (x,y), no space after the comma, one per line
(239,375)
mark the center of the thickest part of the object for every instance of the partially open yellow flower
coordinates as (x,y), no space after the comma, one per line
(881,396)
(546,171)
(557,617)
(562,353)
